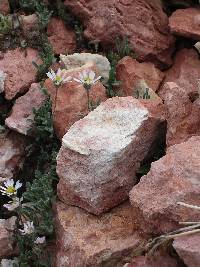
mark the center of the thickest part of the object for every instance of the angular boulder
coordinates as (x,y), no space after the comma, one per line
(186,23)
(188,250)
(101,153)
(20,71)
(142,21)
(130,72)
(183,115)
(171,179)
(21,118)
(62,39)
(12,153)
(185,71)
(78,60)
(86,240)
(71,103)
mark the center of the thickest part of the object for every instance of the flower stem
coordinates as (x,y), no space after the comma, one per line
(56,96)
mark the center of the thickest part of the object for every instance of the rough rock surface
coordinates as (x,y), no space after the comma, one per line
(21,118)
(157,260)
(62,39)
(188,249)
(185,71)
(183,115)
(142,21)
(4,7)
(101,153)
(72,104)
(6,242)
(72,62)
(172,179)
(12,152)
(130,72)
(20,71)
(86,240)
(186,23)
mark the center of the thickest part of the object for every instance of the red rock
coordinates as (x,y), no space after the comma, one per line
(185,72)
(72,104)
(6,237)
(21,118)
(4,7)
(172,179)
(60,37)
(187,248)
(157,260)
(183,116)
(186,23)
(101,153)
(12,152)
(142,21)
(20,71)
(130,72)
(86,240)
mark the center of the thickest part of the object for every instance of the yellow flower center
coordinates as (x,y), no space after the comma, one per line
(10,190)
(88,80)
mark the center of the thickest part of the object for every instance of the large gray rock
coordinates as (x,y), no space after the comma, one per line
(101,153)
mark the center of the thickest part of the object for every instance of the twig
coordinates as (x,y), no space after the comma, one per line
(188,205)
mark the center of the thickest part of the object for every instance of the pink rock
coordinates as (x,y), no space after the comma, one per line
(157,260)
(86,240)
(12,152)
(4,7)
(21,118)
(130,72)
(185,72)
(101,153)
(142,21)
(188,249)
(20,71)
(6,237)
(61,38)
(186,22)
(72,104)
(173,178)
(183,116)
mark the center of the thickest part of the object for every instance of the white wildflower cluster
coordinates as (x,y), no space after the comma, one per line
(10,189)
(87,77)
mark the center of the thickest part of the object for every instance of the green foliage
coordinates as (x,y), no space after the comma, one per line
(40,8)
(5,25)
(40,193)
(122,49)
(47,57)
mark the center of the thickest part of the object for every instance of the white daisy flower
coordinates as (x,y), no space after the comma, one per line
(40,240)
(13,204)
(87,78)
(28,228)
(60,77)
(9,188)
